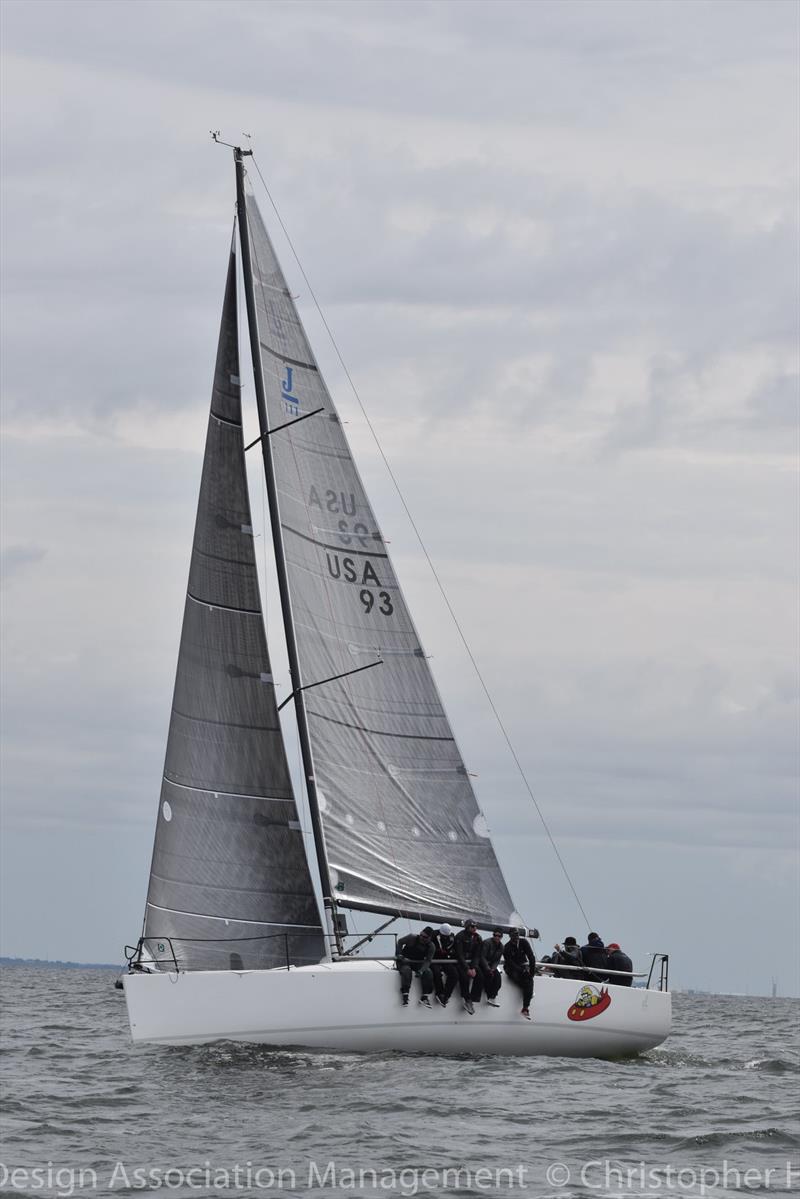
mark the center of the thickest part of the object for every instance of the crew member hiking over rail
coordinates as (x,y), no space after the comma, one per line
(520,964)
(414,957)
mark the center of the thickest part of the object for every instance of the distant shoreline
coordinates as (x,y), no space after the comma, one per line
(47,963)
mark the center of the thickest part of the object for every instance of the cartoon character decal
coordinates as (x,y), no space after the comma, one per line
(589,1002)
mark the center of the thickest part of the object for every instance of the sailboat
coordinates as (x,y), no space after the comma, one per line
(237,943)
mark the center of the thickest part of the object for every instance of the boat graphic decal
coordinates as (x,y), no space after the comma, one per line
(589,1002)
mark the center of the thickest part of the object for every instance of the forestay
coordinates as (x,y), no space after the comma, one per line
(402,825)
(229,875)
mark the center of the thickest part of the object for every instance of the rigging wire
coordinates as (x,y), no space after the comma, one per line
(423,547)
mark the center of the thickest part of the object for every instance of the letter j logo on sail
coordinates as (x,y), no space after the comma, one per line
(286,391)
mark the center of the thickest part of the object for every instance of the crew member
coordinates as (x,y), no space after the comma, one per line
(596,958)
(618,960)
(568,954)
(491,956)
(519,964)
(468,946)
(414,955)
(445,971)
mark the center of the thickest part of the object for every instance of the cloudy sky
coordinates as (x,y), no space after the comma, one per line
(557,243)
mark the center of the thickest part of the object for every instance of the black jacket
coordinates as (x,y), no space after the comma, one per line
(568,955)
(595,955)
(414,949)
(468,949)
(491,953)
(444,947)
(617,960)
(518,955)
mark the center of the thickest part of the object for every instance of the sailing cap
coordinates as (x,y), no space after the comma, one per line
(470,923)
(613,945)
(445,930)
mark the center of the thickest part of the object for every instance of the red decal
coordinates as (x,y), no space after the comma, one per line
(589,1002)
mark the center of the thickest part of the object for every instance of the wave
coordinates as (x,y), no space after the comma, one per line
(772,1065)
(715,1140)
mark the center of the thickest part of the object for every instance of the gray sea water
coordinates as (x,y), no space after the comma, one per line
(713,1112)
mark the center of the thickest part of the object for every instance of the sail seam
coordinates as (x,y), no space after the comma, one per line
(234,919)
(227,794)
(224,607)
(223,420)
(412,711)
(309,366)
(230,561)
(339,549)
(408,879)
(310,449)
(228,724)
(357,650)
(445,909)
(239,892)
(377,732)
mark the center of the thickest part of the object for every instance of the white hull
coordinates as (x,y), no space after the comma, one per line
(356,1006)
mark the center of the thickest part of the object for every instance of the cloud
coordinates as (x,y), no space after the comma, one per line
(776,403)
(16,558)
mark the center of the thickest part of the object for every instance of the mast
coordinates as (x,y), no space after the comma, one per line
(280,559)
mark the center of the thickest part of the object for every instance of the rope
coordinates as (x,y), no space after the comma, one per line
(422,546)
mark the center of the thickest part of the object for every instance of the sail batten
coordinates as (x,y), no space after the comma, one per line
(203,916)
(401,821)
(229,854)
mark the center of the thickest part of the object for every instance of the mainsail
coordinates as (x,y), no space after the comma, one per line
(229,882)
(403,829)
